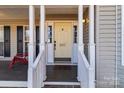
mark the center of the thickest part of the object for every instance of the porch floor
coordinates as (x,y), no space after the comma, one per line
(60,73)
(17,73)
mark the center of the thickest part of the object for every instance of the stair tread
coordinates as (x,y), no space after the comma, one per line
(62,86)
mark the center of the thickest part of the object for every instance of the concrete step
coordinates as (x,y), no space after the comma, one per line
(13,84)
(61,84)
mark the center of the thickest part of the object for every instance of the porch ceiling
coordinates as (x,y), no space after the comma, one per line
(21,12)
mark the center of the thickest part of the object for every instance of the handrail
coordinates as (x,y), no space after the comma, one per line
(83,69)
(84,58)
(34,65)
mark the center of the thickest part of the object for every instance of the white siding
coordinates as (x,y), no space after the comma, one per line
(105,46)
(120,68)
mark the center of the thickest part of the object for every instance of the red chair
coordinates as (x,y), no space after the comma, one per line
(19,58)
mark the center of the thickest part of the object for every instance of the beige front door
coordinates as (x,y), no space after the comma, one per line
(63,39)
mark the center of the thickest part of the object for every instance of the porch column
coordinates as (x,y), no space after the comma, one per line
(31,48)
(80,37)
(42,40)
(42,27)
(80,27)
(91,46)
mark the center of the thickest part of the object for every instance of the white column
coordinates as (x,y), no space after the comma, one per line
(91,46)
(31,48)
(42,41)
(42,26)
(80,27)
(80,37)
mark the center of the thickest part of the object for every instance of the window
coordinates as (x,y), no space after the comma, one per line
(75,33)
(1,41)
(49,34)
(26,36)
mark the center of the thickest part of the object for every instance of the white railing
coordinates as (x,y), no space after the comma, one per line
(85,71)
(38,70)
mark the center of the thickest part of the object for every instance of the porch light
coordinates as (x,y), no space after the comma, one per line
(87,20)
(83,20)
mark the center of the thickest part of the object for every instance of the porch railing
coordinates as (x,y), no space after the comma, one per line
(85,71)
(38,70)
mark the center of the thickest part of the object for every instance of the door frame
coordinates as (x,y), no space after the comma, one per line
(73,22)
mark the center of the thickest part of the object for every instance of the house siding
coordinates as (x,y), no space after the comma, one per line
(105,46)
(120,68)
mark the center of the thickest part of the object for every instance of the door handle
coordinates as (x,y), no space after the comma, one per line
(54,45)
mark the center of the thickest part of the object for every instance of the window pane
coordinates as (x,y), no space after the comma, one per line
(1,34)
(75,34)
(27,33)
(1,41)
(26,38)
(1,49)
(49,34)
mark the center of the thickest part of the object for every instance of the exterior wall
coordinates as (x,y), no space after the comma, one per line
(120,68)
(105,46)
(13,25)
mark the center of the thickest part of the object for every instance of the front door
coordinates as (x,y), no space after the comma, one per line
(63,40)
